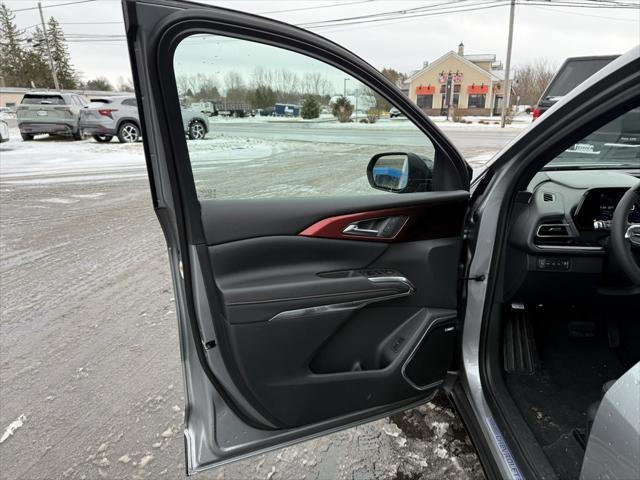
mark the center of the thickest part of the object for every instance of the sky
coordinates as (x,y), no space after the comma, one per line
(550,33)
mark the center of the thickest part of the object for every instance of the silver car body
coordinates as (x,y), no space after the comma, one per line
(4,131)
(105,116)
(49,113)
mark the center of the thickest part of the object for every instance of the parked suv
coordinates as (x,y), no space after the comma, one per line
(117,116)
(105,118)
(572,73)
(54,113)
(4,131)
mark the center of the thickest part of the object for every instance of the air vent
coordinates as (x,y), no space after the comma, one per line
(553,230)
(548,197)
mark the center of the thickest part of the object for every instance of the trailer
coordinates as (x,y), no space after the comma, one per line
(287,110)
(231,109)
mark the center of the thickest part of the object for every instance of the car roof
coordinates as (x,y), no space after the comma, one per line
(42,94)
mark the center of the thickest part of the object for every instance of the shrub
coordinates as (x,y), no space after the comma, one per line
(373,114)
(455,115)
(342,109)
(310,108)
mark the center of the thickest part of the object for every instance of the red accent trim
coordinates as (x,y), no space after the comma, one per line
(476,89)
(424,222)
(429,90)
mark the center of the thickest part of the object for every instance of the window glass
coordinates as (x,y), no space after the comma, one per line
(424,101)
(42,99)
(476,101)
(614,145)
(282,124)
(573,73)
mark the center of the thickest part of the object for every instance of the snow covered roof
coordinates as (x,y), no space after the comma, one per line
(481,57)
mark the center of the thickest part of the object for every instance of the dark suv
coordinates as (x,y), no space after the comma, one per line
(572,73)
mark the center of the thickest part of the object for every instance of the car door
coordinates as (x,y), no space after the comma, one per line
(314,256)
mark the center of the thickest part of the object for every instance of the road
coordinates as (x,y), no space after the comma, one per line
(469,140)
(89,363)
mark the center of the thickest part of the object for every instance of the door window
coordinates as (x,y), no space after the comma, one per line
(284,124)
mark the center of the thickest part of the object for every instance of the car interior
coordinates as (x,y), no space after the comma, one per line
(568,324)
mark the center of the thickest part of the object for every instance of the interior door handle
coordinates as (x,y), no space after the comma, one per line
(354,228)
(384,227)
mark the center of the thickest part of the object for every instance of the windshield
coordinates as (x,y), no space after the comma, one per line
(615,145)
(573,73)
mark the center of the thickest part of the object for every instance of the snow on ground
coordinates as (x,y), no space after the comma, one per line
(327,121)
(89,349)
(49,160)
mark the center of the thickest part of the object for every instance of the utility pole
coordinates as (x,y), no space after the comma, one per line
(507,82)
(46,41)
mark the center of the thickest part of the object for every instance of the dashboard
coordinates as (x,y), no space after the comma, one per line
(559,235)
(595,211)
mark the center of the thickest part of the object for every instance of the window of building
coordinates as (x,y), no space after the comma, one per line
(456,88)
(476,101)
(443,88)
(425,101)
(456,99)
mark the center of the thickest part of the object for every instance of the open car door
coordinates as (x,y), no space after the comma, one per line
(315,260)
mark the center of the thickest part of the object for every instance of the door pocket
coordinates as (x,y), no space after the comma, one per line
(428,364)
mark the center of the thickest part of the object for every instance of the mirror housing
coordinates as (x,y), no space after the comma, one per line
(400,172)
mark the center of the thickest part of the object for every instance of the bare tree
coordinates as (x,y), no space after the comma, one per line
(125,84)
(531,79)
(235,89)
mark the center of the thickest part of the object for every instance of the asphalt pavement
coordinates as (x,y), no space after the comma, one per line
(89,365)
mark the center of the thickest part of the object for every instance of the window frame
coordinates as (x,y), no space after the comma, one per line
(473,96)
(423,97)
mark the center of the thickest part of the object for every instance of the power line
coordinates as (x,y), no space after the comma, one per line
(555,9)
(316,7)
(54,5)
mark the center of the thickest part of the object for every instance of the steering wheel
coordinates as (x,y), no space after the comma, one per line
(625,236)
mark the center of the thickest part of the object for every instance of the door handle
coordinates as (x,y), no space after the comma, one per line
(384,227)
(354,228)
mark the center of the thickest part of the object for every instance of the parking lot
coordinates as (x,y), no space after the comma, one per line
(89,361)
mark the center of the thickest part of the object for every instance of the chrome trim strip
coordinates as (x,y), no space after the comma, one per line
(633,234)
(353,305)
(566,225)
(353,230)
(570,248)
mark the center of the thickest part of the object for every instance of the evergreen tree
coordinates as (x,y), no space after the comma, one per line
(264,97)
(67,77)
(342,109)
(11,48)
(100,83)
(310,107)
(36,68)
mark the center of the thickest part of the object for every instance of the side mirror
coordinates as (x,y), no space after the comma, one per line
(400,172)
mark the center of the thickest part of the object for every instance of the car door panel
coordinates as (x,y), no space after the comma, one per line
(291,325)
(240,219)
(307,323)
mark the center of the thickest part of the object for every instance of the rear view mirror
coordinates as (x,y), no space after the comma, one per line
(400,172)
